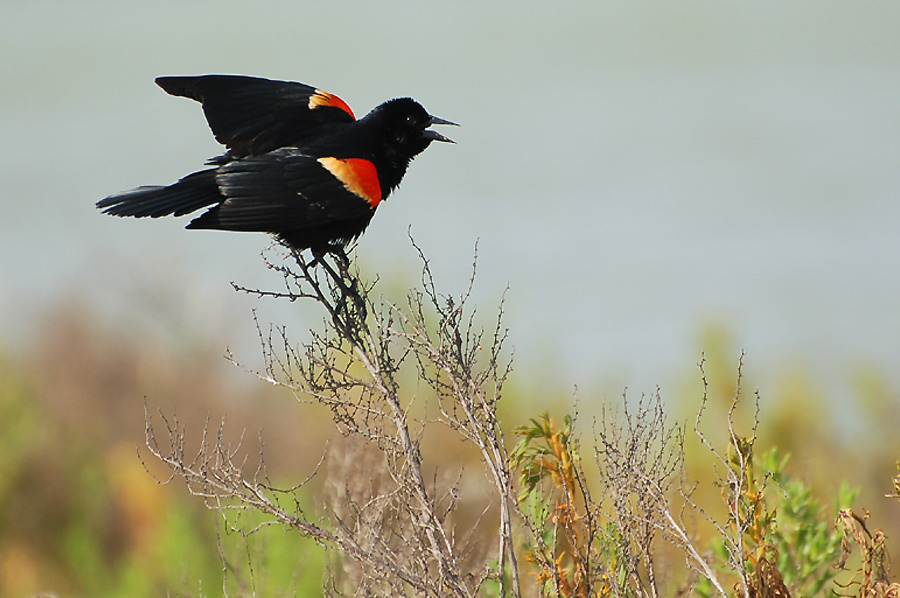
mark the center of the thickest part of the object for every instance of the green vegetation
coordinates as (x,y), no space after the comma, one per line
(755,498)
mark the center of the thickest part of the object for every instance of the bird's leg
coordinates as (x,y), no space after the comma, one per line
(340,256)
(343,263)
(317,258)
(337,251)
(341,276)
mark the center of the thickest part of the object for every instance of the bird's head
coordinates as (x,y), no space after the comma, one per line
(405,123)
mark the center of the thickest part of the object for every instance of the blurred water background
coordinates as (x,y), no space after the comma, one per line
(632,172)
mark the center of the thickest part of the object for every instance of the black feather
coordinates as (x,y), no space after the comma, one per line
(195,191)
(298,164)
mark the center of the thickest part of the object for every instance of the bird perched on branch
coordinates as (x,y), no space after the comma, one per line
(298,163)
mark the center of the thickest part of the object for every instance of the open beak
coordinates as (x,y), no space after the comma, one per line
(434,135)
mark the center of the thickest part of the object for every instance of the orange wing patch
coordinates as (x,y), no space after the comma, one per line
(359,176)
(323,98)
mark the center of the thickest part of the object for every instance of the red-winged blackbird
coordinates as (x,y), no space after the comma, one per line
(298,164)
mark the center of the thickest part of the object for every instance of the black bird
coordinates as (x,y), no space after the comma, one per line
(298,163)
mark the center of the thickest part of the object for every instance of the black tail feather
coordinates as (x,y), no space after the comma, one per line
(193,192)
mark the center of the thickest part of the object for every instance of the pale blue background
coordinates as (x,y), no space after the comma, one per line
(632,171)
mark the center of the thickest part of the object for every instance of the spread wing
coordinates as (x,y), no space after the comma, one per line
(288,191)
(251,116)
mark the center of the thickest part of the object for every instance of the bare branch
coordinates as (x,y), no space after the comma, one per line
(392,523)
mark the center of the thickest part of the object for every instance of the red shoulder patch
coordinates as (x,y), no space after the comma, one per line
(323,98)
(358,175)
